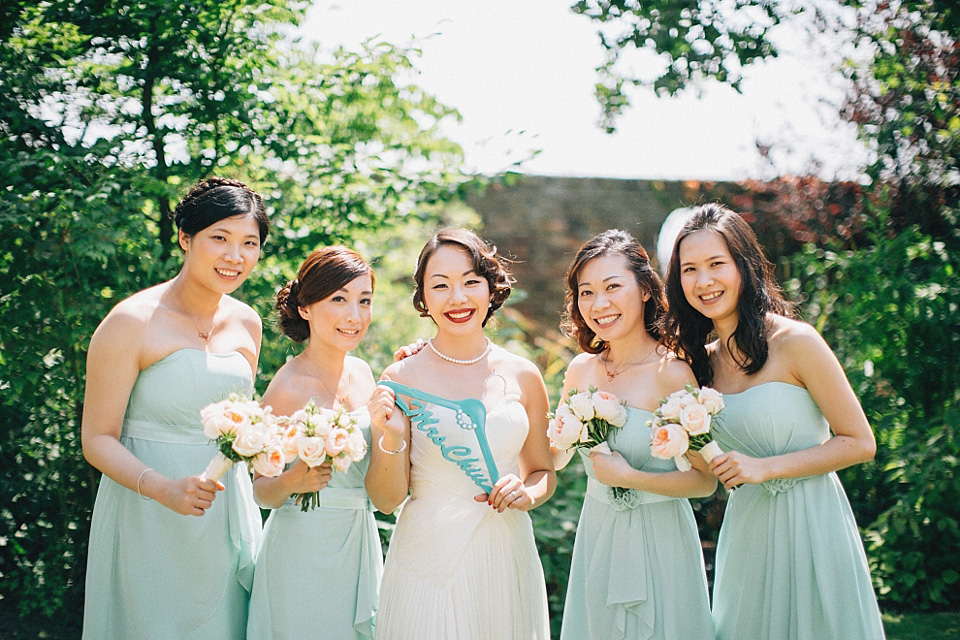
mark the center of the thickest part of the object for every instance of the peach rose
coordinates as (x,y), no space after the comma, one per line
(336,441)
(695,419)
(271,462)
(608,407)
(669,441)
(311,450)
(564,429)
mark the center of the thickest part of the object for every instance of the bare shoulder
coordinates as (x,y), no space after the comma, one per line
(579,370)
(244,313)
(283,393)
(507,362)
(359,368)
(404,371)
(673,374)
(126,324)
(793,336)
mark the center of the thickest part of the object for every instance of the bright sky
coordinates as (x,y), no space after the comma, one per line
(521,74)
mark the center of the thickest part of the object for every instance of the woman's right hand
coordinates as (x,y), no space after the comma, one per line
(385,415)
(190,496)
(301,478)
(409,350)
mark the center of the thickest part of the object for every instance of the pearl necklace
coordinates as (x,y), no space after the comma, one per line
(444,356)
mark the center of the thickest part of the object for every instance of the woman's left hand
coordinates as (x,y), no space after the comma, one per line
(734,468)
(609,467)
(509,492)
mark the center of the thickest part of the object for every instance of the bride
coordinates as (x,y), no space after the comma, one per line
(461,565)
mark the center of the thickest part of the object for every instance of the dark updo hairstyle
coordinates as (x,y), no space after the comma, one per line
(213,200)
(613,242)
(688,330)
(323,273)
(486,264)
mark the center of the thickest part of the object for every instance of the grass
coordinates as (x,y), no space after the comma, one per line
(922,626)
(906,626)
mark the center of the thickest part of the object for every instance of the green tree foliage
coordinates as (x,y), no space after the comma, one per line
(109,111)
(687,40)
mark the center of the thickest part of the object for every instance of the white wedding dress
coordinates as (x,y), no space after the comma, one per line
(457,569)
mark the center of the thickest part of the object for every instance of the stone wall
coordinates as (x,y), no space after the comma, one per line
(541,222)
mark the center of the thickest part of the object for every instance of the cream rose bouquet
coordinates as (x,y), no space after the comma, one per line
(682,423)
(315,435)
(243,431)
(584,419)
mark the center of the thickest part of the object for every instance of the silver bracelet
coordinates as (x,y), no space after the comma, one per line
(403,446)
(143,473)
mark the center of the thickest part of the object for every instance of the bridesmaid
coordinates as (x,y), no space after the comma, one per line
(637,569)
(167,557)
(319,571)
(790,562)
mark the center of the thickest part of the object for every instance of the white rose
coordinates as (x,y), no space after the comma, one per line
(695,419)
(356,446)
(251,440)
(608,407)
(670,409)
(311,450)
(319,424)
(342,463)
(711,399)
(581,405)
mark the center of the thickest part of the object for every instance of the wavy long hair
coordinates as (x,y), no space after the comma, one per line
(687,330)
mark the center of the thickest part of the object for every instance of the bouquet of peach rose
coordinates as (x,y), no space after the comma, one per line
(584,419)
(243,432)
(682,423)
(315,434)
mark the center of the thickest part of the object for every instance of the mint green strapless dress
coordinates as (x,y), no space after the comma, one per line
(790,561)
(637,570)
(318,573)
(155,574)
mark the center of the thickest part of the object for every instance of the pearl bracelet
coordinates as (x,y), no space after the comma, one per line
(403,446)
(143,473)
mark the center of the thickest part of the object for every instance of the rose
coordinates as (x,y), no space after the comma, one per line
(319,424)
(221,418)
(581,405)
(695,419)
(271,462)
(669,441)
(356,446)
(341,463)
(670,409)
(288,432)
(711,399)
(311,450)
(336,441)
(687,398)
(251,440)
(564,428)
(344,420)
(608,407)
